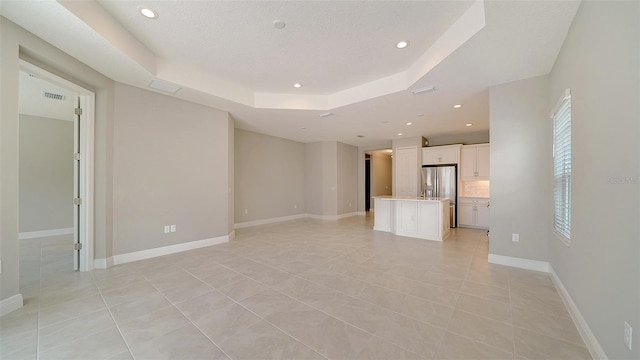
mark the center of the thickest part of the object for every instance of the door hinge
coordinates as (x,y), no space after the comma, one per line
(77,156)
(77,246)
(77,201)
(78,111)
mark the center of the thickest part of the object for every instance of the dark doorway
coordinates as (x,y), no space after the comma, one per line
(367,182)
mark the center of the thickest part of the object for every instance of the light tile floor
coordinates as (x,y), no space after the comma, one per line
(303,289)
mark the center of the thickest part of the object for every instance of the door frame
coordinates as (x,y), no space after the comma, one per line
(86,170)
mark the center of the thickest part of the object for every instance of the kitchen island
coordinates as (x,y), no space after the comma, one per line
(423,218)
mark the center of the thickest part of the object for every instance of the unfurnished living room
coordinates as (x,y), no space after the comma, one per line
(319,179)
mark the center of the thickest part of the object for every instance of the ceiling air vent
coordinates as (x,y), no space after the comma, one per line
(53,96)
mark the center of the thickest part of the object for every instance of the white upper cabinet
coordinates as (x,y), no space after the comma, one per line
(437,155)
(474,162)
(406,159)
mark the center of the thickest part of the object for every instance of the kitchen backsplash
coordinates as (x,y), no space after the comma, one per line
(475,188)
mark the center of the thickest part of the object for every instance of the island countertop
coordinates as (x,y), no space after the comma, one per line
(409,198)
(423,218)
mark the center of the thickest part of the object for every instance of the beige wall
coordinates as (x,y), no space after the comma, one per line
(331,178)
(170,167)
(381,181)
(313,178)
(600,62)
(347,161)
(46,173)
(269,178)
(520,172)
(15,43)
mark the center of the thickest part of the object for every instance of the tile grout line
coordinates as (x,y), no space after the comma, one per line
(241,305)
(322,311)
(113,318)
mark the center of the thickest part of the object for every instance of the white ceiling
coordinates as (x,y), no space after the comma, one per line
(228,55)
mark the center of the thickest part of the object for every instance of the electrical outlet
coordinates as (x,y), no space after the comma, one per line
(167,229)
(628,331)
(246,211)
(295,206)
(349,204)
(0,266)
(515,237)
(173,228)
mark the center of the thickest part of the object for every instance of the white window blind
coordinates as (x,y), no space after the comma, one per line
(562,168)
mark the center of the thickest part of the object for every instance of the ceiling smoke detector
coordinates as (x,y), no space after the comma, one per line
(279,24)
(423,90)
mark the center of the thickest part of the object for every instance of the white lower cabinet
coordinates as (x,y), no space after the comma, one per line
(473,212)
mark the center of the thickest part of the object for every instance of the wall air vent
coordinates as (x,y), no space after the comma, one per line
(53,96)
(424,90)
(164,86)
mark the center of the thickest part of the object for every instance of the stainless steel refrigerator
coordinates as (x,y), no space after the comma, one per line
(441,182)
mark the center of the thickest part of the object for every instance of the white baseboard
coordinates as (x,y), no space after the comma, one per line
(268,221)
(295,217)
(588,337)
(363,213)
(44,233)
(11,304)
(166,250)
(528,264)
(332,217)
(103,263)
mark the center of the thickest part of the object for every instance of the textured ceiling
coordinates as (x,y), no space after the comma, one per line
(226,54)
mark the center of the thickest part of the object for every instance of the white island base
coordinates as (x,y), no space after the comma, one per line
(413,217)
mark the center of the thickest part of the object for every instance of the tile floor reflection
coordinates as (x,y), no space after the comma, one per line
(304,289)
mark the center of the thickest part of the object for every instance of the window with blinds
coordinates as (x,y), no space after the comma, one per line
(562,168)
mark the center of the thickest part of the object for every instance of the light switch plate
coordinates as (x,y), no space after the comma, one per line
(515,237)
(167,229)
(173,228)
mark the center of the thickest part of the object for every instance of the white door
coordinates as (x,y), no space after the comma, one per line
(77,191)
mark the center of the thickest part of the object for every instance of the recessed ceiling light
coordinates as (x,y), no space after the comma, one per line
(468,124)
(297,85)
(279,24)
(360,136)
(457,106)
(303,128)
(402,44)
(148,13)
(409,124)
(420,115)
(399,134)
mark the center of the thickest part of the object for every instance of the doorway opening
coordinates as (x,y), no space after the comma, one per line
(378,176)
(56,132)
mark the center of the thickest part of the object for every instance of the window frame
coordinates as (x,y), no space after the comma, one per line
(560,105)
